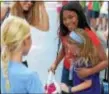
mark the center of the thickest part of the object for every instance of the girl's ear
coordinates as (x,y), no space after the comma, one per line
(23,47)
(23,43)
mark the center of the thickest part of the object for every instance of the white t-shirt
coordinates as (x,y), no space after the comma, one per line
(44,47)
(104,8)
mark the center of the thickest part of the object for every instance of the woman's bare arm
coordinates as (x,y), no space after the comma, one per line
(58,60)
(86,84)
(44,19)
(84,72)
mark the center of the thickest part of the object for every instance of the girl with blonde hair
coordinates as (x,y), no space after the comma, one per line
(85,55)
(16,43)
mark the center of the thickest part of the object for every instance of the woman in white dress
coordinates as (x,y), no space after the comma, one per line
(32,11)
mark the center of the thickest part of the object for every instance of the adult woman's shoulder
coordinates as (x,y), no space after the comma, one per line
(4,10)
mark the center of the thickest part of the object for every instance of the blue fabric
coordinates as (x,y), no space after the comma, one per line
(76,37)
(22,80)
(65,77)
(106,87)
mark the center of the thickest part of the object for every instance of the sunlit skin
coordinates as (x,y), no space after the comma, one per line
(70,19)
(27,45)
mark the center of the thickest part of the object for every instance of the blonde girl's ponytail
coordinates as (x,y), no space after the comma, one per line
(13,32)
(5,59)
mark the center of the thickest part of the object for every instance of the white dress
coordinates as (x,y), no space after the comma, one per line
(104,8)
(44,47)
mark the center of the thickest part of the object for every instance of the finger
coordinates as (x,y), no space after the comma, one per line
(52,70)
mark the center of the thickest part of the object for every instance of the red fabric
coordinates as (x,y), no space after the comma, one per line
(90,6)
(93,37)
(67,55)
(66,64)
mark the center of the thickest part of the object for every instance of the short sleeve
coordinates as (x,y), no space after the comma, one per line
(34,84)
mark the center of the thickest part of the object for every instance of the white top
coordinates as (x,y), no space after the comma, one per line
(44,47)
(104,8)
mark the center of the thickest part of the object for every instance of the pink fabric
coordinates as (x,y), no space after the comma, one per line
(50,89)
(59,9)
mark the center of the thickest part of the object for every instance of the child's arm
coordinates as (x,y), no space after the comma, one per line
(86,84)
(85,72)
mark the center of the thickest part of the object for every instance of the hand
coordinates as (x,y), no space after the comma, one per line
(64,87)
(53,68)
(83,72)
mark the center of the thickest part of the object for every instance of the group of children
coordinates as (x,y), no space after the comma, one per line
(80,49)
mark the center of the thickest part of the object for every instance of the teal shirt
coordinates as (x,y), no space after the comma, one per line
(22,80)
